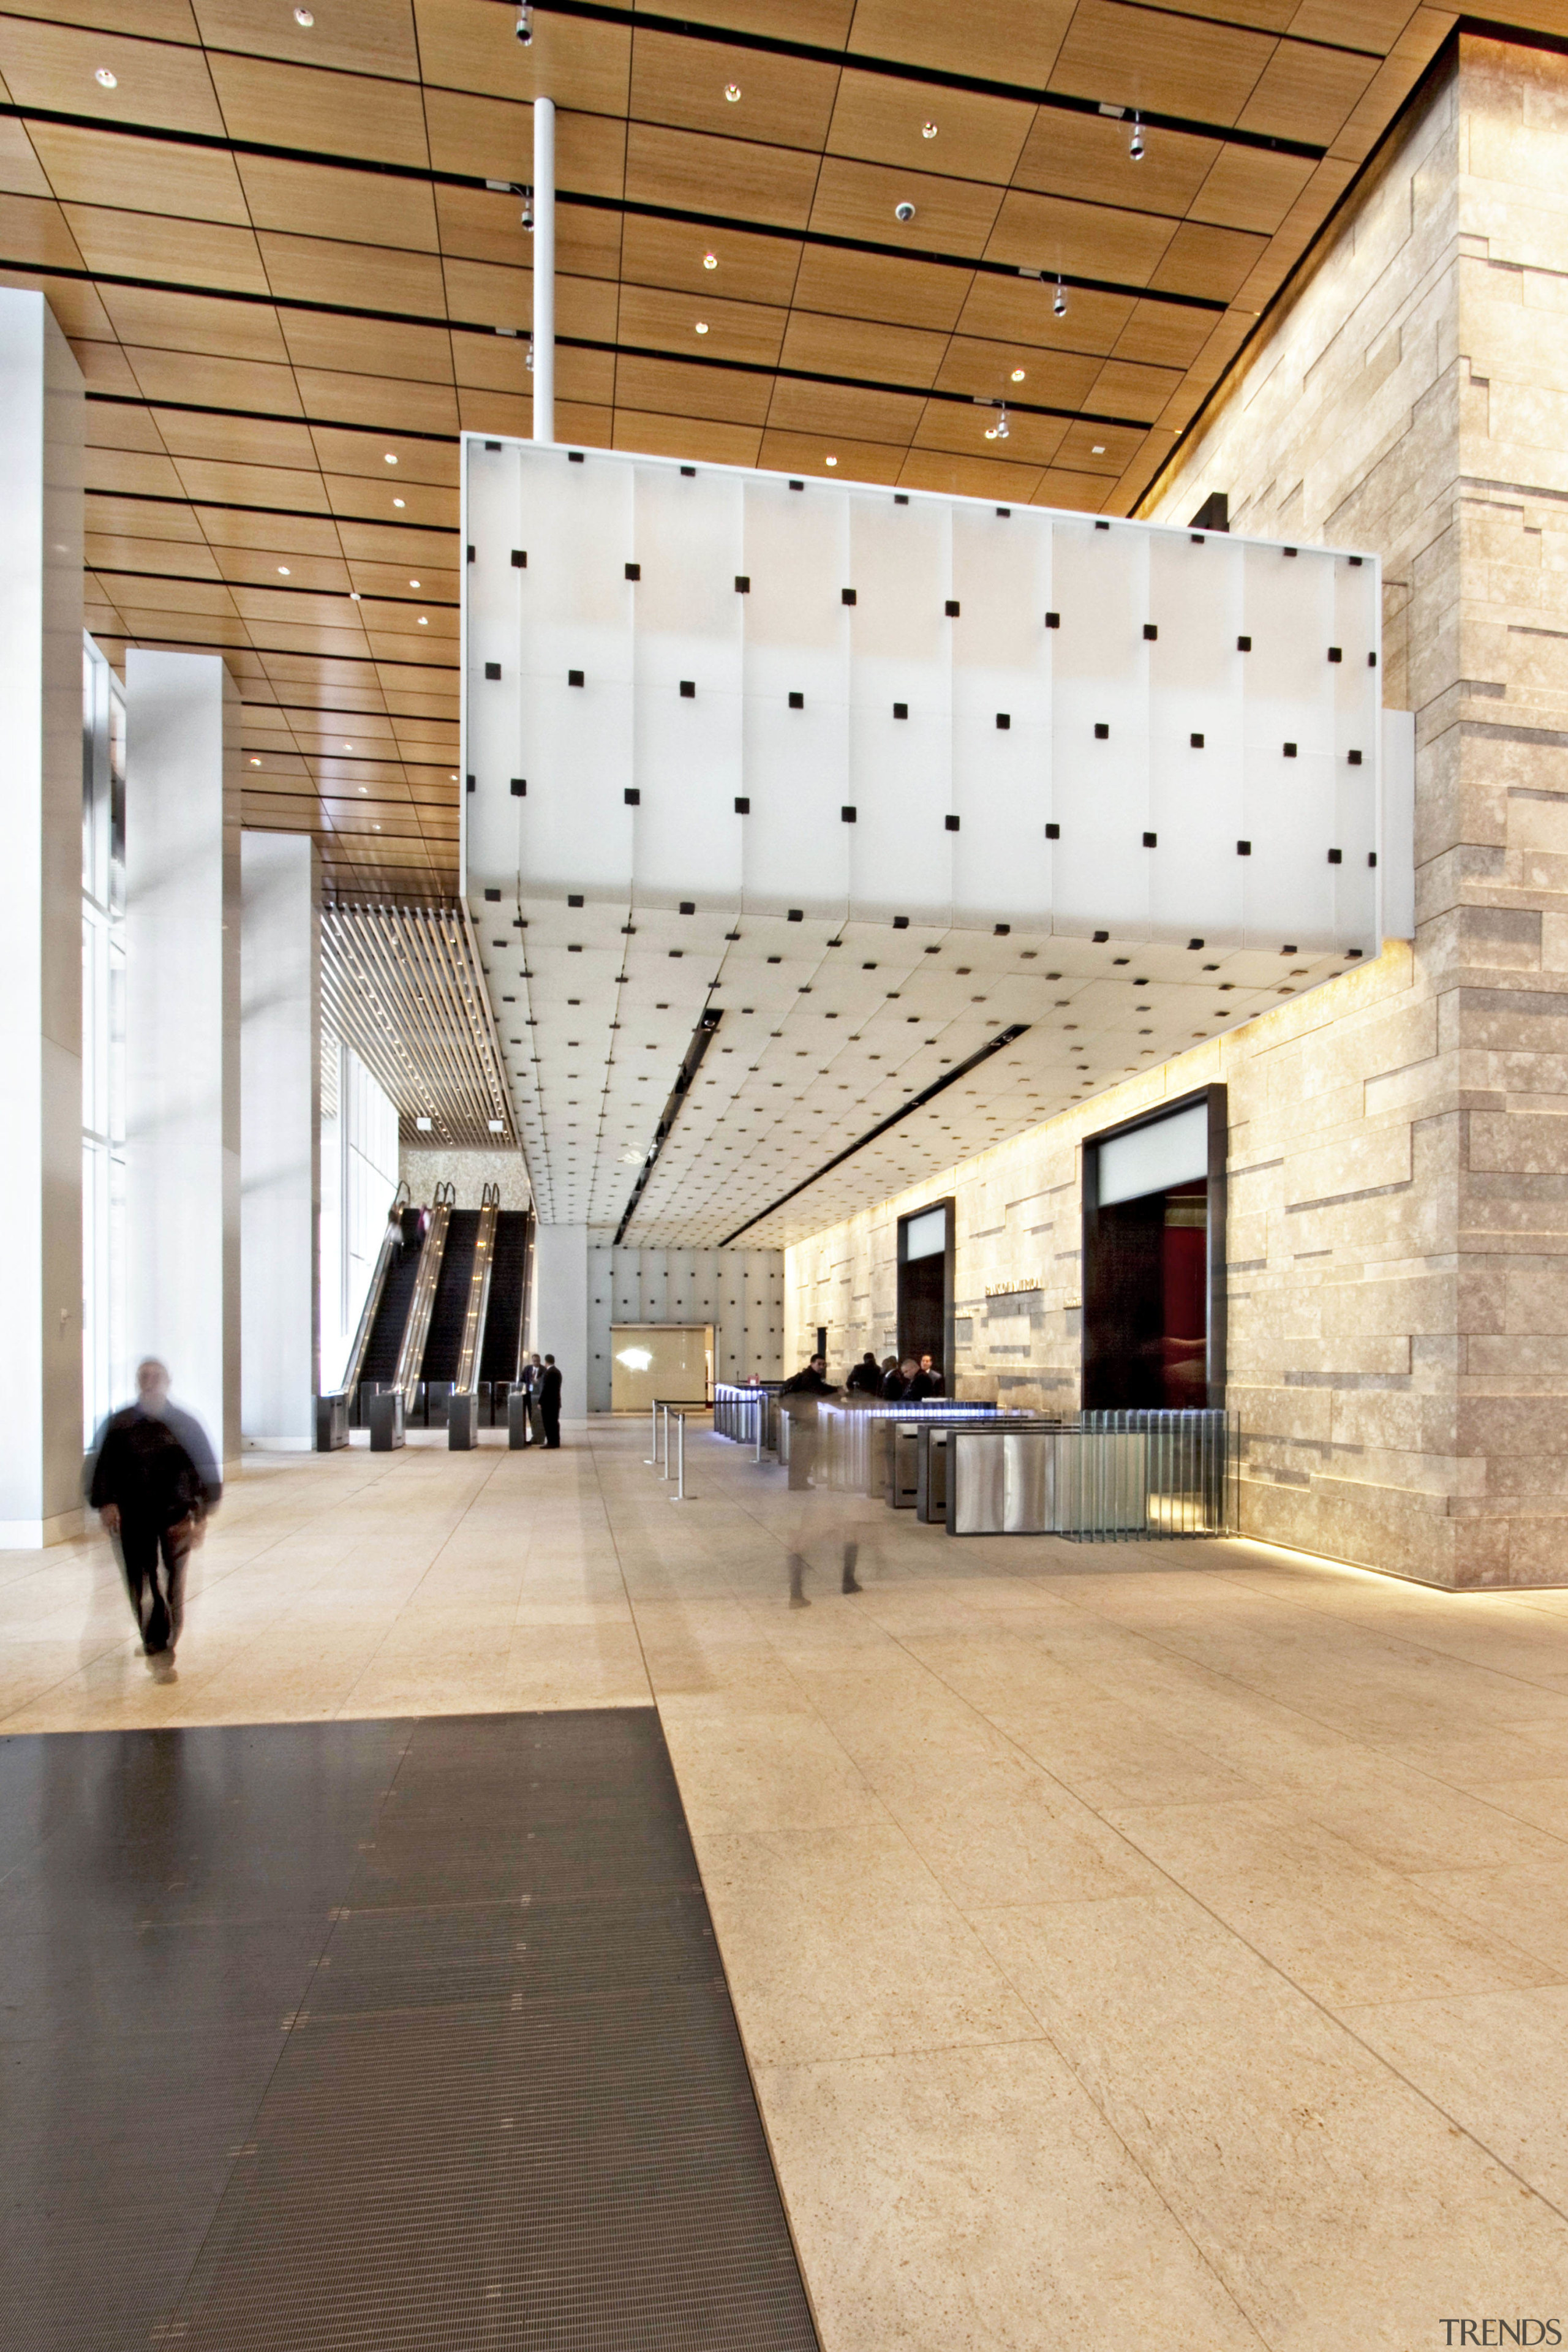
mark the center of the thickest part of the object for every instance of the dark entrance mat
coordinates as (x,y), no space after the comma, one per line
(374,2035)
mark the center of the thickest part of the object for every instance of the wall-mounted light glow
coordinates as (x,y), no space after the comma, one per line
(636,1359)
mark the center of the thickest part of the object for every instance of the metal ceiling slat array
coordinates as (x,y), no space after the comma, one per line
(399,984)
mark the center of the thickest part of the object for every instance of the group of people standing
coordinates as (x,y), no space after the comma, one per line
(539,1380)
(894,1382)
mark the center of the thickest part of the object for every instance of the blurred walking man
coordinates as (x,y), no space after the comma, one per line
(153,1482)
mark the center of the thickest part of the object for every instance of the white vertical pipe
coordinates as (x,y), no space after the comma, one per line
(544,270)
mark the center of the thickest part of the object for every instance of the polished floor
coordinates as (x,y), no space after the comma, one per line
(1139,1945)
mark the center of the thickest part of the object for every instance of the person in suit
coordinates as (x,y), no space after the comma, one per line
(866,1379)
(896,1384)
(153,1479)
(550,1402)
(927,1382)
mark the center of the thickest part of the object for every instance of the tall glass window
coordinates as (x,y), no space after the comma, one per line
(105,1373)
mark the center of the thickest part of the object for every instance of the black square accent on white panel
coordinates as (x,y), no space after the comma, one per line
(900,922)
(846,813)
(1000,931)
(1197,741)
(901,497)
(951,822)
(1003,720)
(633,796)
(574,677)
(796,915)
(1103,526)
(519,788)
(472,784)
(493,898)
(1336,654)
(1101,731)
(1244,848)
(1290,750)
(688,689)
(1290,551)
(1004,512)
(1336,857)
(742,583)
(688,906)
(952,608)
(797,701)
(690,472)
(1053,620)
(798,485)
(1100,937)
(472,551)
(634,572)
(847,595)
(1151,631)
(900,709)
(492,670)
(1372,858)
(1244,645)
(1372,661)
(1354,759)
(1052,833)
(743,805)
(1151,841)
(519,559)
(493,445)
(574,456)
(575,899)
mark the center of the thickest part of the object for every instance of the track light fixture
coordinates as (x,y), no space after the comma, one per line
(998,432)
(525,23)
(528,208)
(528,356)
(1060,304)
(1136,149)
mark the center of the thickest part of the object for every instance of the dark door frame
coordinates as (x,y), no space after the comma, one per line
(1216,1097)
(949,1249)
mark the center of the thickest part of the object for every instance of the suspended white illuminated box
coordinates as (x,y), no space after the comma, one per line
(698,684)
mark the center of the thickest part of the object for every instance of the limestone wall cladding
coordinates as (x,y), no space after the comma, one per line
(1398,1242)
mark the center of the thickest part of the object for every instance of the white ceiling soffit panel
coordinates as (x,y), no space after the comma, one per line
(924,768)
(401,986)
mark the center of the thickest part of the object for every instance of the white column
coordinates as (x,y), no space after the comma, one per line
(40,921)
(557,1309)
(280,1144)
(544,270)
(182,955)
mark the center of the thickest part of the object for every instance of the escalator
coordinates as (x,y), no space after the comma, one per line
(509,1291)
(373,1362)
(449,1316)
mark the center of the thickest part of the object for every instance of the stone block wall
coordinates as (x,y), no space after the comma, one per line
(1398,1241)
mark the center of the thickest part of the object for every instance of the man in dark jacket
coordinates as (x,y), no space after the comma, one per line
(896,1383)
(550,1402)
(797,1399)
(153,1482)
(927,1382)
(866,1379)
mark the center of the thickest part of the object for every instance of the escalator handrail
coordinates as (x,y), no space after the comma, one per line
(416,1330)
(478,1301)
(390,1242)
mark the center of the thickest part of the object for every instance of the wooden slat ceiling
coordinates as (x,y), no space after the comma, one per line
(276,251)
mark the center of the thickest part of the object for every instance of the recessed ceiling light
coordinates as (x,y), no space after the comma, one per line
(1017,375)
(702,326)
(303,16)
(106,79)
(1097,450)
(830,461)
(283,571)
(413,584)
(928,131)
(733,92)
(710,261)
(364,790)
(424,624)
(391,458)
(256,763)
(353,595)
(399,502)
(347,747)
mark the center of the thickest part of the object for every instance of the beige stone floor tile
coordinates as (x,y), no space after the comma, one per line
(1527,1905)
(840,1943)
(745,1771)
(1337,2204)
(992,2207)
(1011,1835)
(1111,1756)
(1331,1918)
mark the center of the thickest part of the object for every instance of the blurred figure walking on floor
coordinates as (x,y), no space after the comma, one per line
(152,1481)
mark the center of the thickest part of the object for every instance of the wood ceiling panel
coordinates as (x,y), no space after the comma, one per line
(114,427)
(126,518)
(152,594)
(1053,234)
(280,534)
(398,406)
(195,253)
(829,346)
(1060,487)
(493,139)
(395,579)
(251,486)
(858,461)
(589,241)
(195,322)
(859,200)
(956,476)
(663,385)
(370,501)
(56,66)
(329,114)
(872,286)
(35,230)
(343,451)
(132,474)
(1006,310)
(825,24)
(883,121)
(704,440)
(1249,188)
(312,269)
(488,294)
(247,567)
(240,440)
(482,224)
(511,413)
(1167,64)
(994,39)
(1107,449)
(368,346)
(21,173)
(839,410)
(1086,156)
(469,45)
(1162,335)
(1257,16)
(150,626)
(1122,390)
(727,177)
(674,253)
(372,37)
(1307,93)
(155,176)
(214,383)
(495,362)
(76,305)
(1353,24)
(982,368)
(783,101)
(650,317)
(1211,261)
(125,552)
(104,367)
(1031,440)
(358,207)
(369,542)
(154,20)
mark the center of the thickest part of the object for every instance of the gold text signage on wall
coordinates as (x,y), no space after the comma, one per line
(1018,1288)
